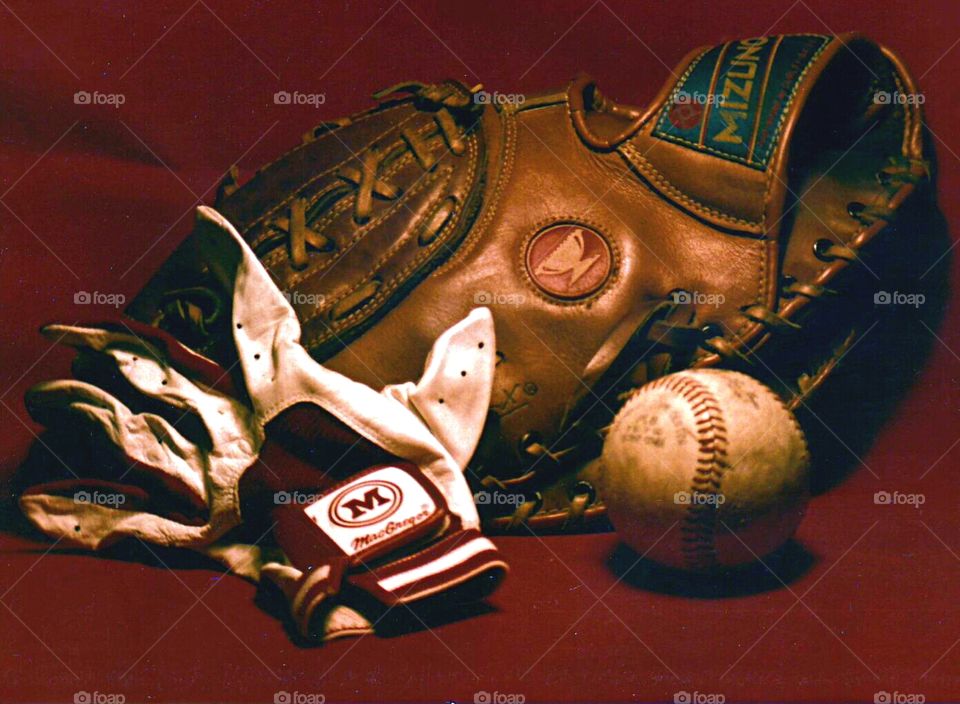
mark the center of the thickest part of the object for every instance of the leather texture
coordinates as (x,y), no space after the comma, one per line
(613,244)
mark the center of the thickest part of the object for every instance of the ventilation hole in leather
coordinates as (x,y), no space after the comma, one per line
(439,400)
(855,208)
(529,440)
(711,330)
(463,373)
(480,346)
(584,487)
(821,248)
(256,356)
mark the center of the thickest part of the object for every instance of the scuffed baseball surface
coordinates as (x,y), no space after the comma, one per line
(705,469)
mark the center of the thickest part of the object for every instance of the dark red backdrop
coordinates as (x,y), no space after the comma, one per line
(93,197)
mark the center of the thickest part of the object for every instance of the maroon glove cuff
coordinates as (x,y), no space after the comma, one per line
(387,532)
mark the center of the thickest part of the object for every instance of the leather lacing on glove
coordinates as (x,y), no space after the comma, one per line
(582,442)
(454,114)
(899,178)
(191,313)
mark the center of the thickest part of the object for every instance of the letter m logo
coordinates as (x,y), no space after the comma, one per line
(365,502)
(370,500)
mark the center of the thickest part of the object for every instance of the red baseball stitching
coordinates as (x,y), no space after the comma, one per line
(699,527)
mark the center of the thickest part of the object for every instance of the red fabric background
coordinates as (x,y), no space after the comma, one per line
(95,197)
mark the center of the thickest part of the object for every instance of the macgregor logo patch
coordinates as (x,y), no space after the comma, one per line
(569,261)
(366,503)
(372,508)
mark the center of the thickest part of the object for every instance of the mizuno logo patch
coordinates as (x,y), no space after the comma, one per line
(731,101)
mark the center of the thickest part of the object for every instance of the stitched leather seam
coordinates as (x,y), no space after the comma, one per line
(443,176)
(281,255)
(699,525)
(763,278)
(360,232)
(325,174)
(427,254)
(401,276)
(426,182)
(907,115)
(857,242)
(826,275)
(337,208)
(651,172)
(276,256)
(486,217)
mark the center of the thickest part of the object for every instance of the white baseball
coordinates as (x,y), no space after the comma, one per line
(705,469)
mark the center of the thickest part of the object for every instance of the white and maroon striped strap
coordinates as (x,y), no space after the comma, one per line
(464,560)
(453,561)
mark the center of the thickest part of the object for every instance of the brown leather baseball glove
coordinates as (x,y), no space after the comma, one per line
(738,221)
